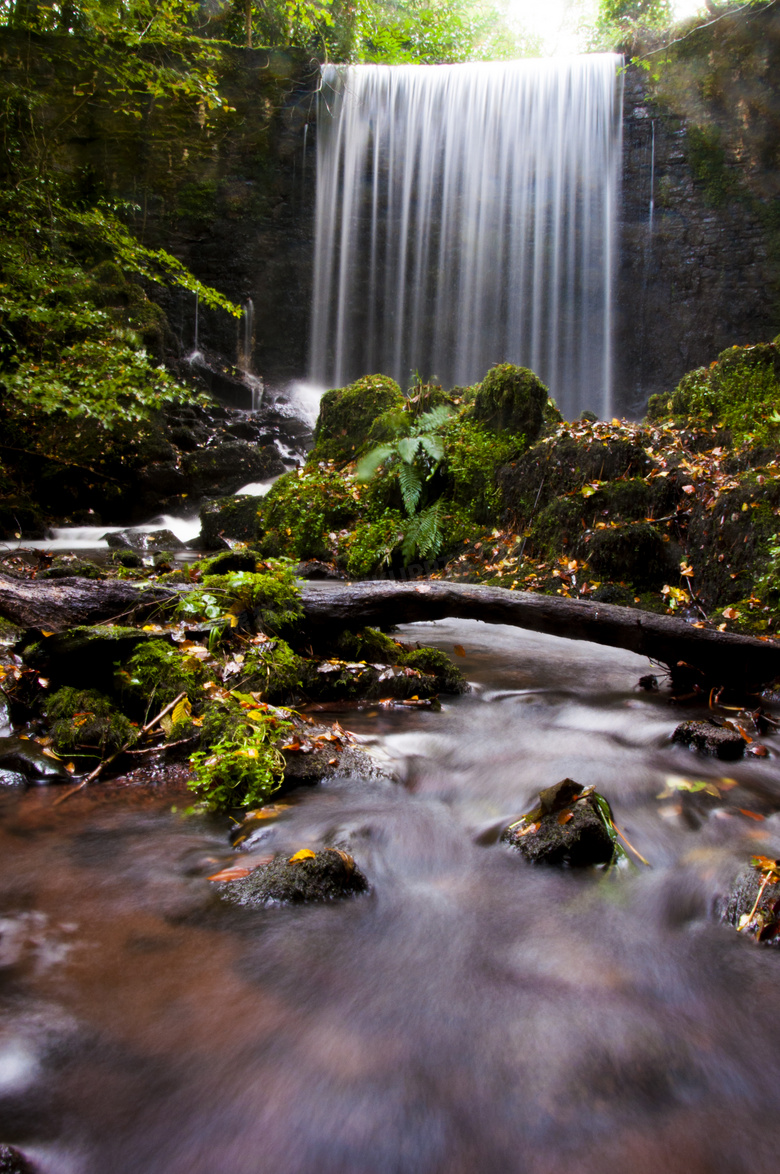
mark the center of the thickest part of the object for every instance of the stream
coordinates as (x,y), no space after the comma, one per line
(471,1013)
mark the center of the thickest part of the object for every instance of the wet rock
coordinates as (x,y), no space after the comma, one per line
(327,875)
(753,903)
(347,413)
(10,779)
(224,468)
(313,568)
(69,566)
(565,828)
(635,552)
(23,757)
(12,1162)
(234,518)
(707,737)
(145,542)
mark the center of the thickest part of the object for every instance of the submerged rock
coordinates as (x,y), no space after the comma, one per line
(707,737)
(12,1162)
(304,878)
(752,905)
(565,828)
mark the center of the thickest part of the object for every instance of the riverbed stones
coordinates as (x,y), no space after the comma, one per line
(752,905)
(228,518)
(305,877)
(565,828)
(707,737)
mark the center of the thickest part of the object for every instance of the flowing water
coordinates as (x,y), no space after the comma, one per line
(466,215)
(470,1014)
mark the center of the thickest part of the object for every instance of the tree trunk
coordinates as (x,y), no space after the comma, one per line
(58,604)
(690,653)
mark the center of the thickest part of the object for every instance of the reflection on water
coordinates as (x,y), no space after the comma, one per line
(471,1014)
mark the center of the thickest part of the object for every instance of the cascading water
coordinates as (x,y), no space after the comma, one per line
(465,216)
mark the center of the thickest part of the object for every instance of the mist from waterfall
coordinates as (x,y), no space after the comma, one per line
(466,215)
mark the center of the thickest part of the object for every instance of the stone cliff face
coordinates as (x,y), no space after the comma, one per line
(700,233)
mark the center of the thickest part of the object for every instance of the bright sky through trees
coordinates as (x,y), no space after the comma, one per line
(560,24)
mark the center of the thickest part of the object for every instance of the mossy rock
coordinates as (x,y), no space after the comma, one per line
(634,553)
(347,413)
(236,518)
(434,662)
(511,399)
(87,723)
(730,544)
(156,673)
(740,391)
(86,657)
(558,527)
(391,425)
(564,464)
(301,509)
(327,875)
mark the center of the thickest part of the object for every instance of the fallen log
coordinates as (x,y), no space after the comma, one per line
(696,655)
(701,655)
(58,604)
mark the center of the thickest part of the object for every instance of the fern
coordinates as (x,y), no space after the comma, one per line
(423,536)
(411,486)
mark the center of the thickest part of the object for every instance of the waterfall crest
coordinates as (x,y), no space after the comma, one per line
(466,215)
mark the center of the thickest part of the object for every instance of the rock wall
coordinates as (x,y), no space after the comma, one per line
(700,232)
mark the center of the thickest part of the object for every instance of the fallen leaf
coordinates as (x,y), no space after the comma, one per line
(565,816)
(459,650)
(304,854)
(751,814)
(234,872)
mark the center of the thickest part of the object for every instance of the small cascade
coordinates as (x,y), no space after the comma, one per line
(197,307)
(466,215)
(246,343)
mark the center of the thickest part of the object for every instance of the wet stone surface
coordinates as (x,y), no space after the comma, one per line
(565,828)
(322,876)
(708,738)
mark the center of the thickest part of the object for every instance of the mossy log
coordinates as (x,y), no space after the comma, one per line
(699,655)
(56,605)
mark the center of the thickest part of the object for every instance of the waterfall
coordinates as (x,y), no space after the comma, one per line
(466,215)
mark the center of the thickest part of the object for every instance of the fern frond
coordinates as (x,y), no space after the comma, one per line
(407,448)
(411,486)
(434,419)
(434,448)
(369,464)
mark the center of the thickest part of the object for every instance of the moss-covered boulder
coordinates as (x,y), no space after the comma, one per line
(347,413)
(87,657)
(302,508)
(740,391)
(634,553)
(87,723)
(511,399)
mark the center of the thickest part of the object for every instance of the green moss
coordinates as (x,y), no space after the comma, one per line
(629,500)
(241,765)
(472,457)
(434,662)
(273,670)
(370,645)
(511,399)
(347,413)
(558,526)
(368,549)
(302,508)
(707,159)
(635,553)
(86,722)
(389,426)
(739,391)
(157,673)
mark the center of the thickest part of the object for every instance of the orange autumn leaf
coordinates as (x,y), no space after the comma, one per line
(304,854)
(751,814)
(232,872)
(459,650)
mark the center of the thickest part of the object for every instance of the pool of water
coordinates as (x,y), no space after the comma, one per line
(471,1013)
